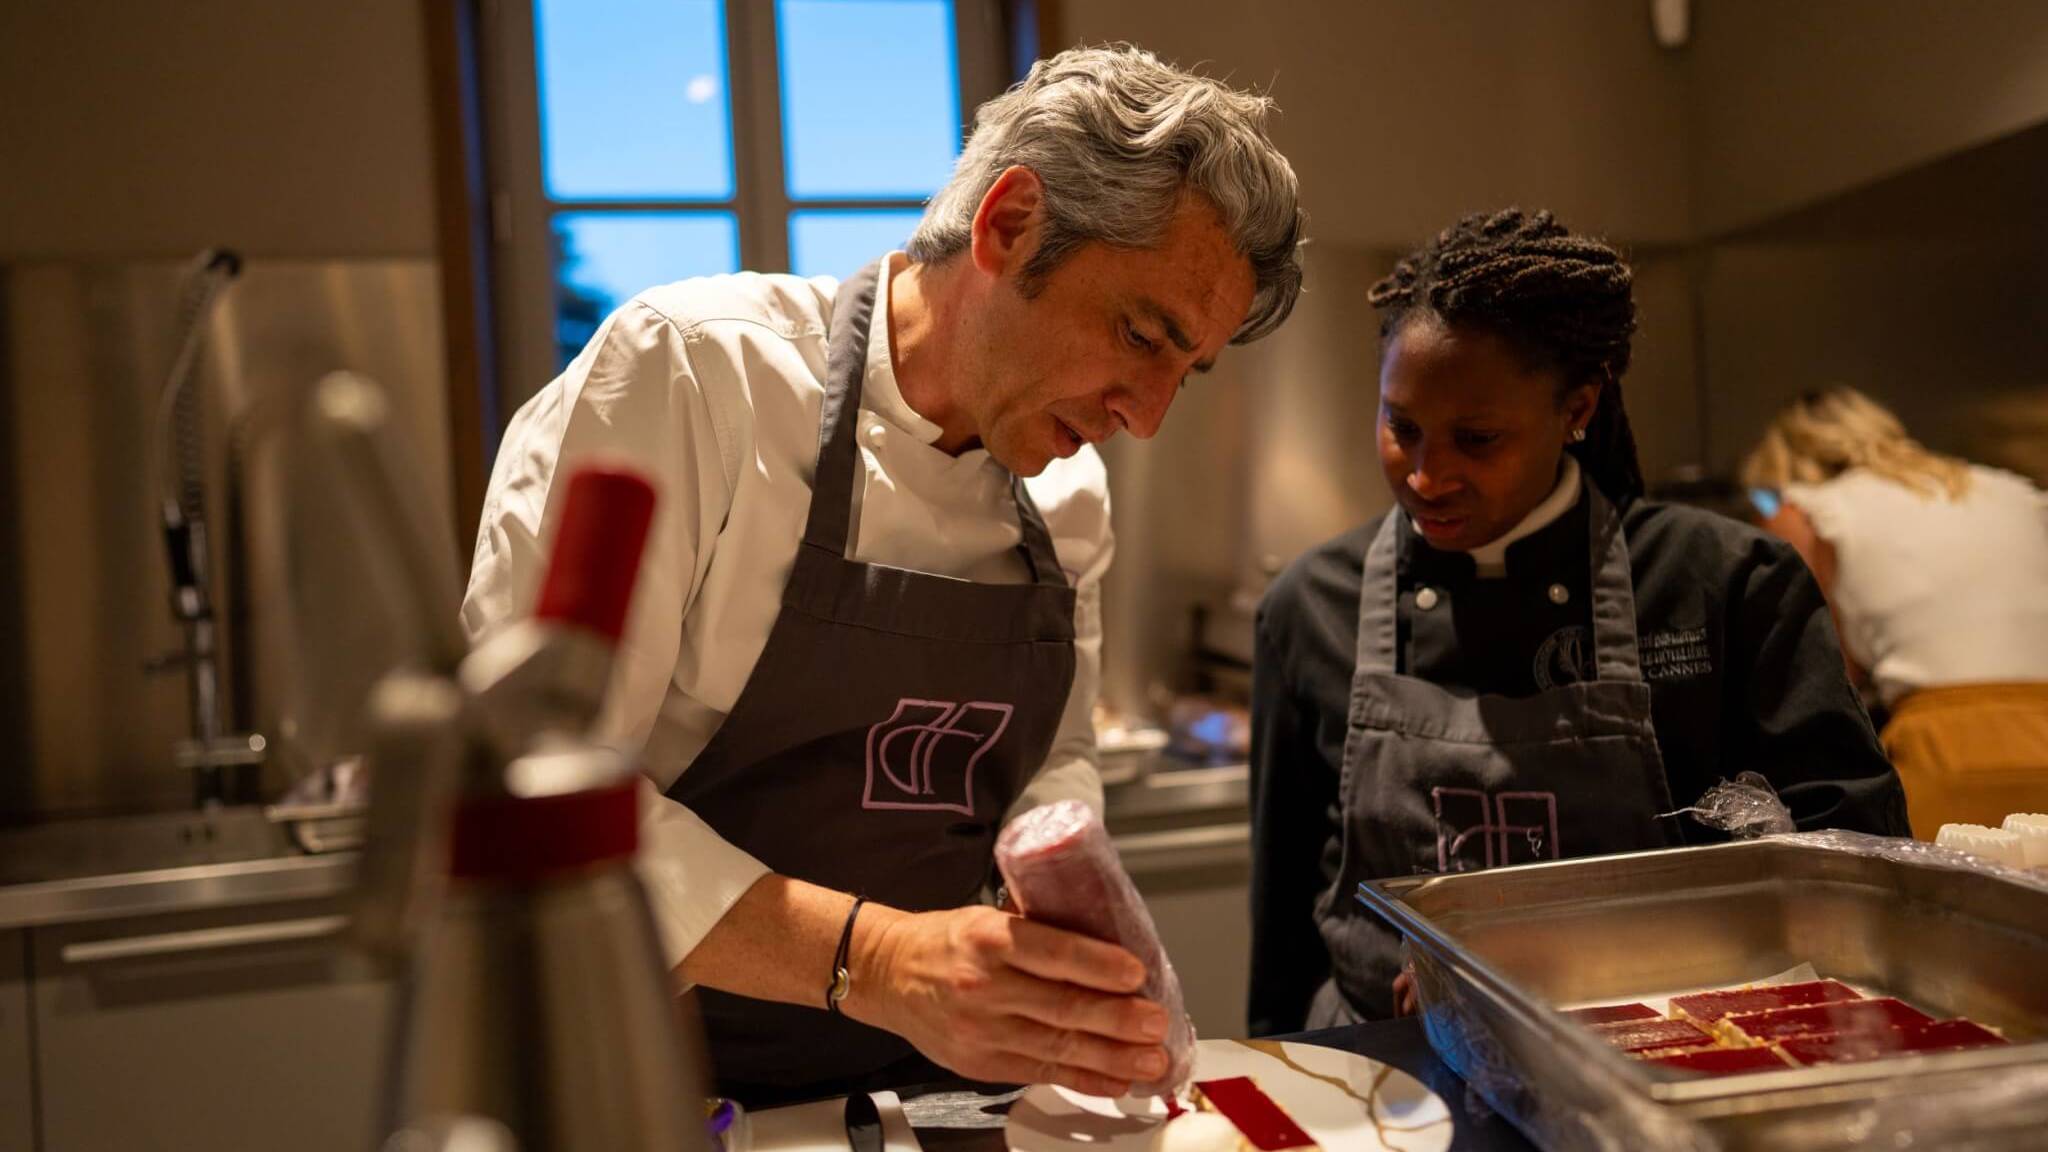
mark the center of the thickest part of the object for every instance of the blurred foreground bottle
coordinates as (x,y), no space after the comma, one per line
(534,1008)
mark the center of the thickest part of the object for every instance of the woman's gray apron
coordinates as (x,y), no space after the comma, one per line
(890,722)
(1440,781)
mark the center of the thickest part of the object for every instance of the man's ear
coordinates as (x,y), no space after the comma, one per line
(1006,225)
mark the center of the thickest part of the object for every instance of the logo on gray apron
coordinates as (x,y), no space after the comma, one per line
(1562,657)
(922,758)
(1477,830)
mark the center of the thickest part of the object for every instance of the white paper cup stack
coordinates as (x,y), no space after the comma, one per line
(2032,829)
(1995,845)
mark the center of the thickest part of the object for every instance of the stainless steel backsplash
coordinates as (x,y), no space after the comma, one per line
(83,351)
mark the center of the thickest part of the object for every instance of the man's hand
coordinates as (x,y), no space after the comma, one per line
(997,997)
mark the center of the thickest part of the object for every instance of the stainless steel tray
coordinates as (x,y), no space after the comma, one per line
(1494,951)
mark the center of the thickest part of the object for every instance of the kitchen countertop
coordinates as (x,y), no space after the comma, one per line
(262,881)
(102,868)
(1170,795)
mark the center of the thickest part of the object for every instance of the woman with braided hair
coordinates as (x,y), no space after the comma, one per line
(1525,660)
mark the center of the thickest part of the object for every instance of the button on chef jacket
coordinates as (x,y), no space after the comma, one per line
(713,388)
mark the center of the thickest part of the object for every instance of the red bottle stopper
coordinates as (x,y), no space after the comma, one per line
(597,550)
(528,839)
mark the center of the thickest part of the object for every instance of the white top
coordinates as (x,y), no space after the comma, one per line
(1931,591)
(713,388)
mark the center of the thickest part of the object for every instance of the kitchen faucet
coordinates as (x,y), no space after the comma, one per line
(179,442)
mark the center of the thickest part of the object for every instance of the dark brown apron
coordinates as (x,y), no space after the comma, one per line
(892,719)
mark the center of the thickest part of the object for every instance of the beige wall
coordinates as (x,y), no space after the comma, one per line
(1949,334)
(1313,470)
(1925,289)
(131,136)
(1400,115)
(1794,100)
(286,130)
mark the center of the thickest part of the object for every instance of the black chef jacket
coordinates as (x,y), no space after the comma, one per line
(1742,660)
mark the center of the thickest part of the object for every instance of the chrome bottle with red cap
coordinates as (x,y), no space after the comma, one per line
(538,1014)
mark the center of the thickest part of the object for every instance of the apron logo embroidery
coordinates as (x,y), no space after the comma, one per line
(933,770)
(1562,657)
(1510,828)
(1677,654)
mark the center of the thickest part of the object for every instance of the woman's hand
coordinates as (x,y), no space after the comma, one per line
(1405,1001)
(996,997)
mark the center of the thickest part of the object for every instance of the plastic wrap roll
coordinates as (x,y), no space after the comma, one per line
(1746,808)
(1063,871)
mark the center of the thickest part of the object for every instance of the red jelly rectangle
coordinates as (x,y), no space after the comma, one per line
(1721,1061)
(1711,1007)
(1853,1016)
(1257,1117)
(1642,1035)
(1849,1047)
(1612,1013)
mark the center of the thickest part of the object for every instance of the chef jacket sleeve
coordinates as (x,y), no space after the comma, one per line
(1791,710)
(631,396)
(1293,791)
(1081,536)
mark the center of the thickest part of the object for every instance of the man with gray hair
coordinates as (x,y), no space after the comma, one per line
(868,629)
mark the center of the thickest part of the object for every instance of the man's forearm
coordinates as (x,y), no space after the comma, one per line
(989,995)
(777,942)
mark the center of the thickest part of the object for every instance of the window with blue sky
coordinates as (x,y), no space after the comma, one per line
(647,178)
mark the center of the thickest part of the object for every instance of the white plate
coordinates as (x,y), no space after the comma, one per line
(1344,1101)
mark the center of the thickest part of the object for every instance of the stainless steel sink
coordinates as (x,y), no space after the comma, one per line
(1168,796)
(109,846)
(1177,827)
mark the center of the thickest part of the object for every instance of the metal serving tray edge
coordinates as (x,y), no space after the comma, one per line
(1501,1034)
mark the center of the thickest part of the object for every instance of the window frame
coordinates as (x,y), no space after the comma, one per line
(521,213)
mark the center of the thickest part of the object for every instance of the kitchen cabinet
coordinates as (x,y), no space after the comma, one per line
(17,1086)
(1202,924)
(1184,835)
(226,1029)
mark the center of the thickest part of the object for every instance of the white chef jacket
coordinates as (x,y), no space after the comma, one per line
(713,388)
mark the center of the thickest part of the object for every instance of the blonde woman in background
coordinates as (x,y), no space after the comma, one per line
(1937,572)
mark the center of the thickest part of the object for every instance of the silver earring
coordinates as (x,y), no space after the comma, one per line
(1578,435)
